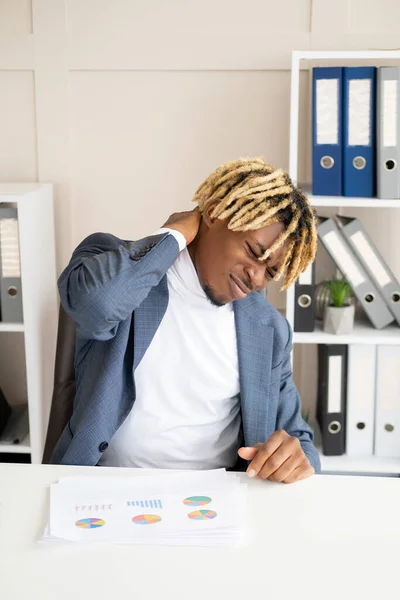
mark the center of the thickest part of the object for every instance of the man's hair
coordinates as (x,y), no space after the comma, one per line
(252,194)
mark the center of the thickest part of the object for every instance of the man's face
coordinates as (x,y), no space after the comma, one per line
(226,261)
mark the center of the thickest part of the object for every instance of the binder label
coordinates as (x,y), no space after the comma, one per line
(389,380)
(305,278)
(334,384)
(376,267)
(10,266)
(327,108)
(343,258)
(389,113)
(361,389)
(359,121)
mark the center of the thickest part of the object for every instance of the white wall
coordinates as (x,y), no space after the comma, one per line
(126,105)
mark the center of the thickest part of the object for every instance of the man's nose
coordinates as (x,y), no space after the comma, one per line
(256,275)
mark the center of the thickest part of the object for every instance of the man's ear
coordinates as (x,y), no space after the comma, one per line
(207,218)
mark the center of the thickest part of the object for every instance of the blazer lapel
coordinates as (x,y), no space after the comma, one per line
(147,318)
(255,345)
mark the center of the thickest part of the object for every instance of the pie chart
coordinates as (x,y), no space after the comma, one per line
(197,500)
(90,523)
(202,515)
(146,519)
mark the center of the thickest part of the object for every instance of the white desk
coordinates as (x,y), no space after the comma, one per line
(326,537)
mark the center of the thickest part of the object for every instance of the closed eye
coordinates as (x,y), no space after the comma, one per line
(251,251)
(271,271)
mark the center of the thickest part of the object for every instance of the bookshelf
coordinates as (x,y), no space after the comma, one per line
(360,465)
(11,326)
(34,203)
(23,448)
(364,465)
(337,201)
(363,333)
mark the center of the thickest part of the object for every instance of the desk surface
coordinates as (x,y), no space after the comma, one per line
(326,537)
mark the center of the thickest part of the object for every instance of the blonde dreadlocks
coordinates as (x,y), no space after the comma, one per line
(252,195)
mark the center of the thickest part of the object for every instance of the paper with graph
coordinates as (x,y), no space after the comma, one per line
(194,508)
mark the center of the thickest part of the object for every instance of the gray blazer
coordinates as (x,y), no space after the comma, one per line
(116,292)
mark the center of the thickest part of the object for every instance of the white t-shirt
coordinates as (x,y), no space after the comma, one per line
(187,411)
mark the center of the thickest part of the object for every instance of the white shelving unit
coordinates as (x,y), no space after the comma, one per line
(23,448)
(34,203)
(332,201)
(367,465)
(363,333)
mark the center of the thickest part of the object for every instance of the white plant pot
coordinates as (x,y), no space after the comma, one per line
(339,320)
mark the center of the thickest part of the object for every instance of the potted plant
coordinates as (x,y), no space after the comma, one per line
(339,314)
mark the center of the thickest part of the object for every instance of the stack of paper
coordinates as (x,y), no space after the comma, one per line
(206,508)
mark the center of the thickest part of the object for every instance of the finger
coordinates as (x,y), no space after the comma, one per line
(276,460)
(291,448)
(264,453)
(282,472)
(299,473)
(249,452)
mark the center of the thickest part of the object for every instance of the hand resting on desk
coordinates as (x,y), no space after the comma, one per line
(281,458)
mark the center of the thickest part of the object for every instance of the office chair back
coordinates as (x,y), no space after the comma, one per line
(64,383)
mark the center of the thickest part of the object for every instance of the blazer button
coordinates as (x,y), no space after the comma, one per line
(103,446)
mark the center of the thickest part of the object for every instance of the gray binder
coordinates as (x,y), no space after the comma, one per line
(388,132)
(10,270)
(368,255)
(366,291)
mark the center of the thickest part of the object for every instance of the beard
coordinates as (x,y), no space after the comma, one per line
(211,296)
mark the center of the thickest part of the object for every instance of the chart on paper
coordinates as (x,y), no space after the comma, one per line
(197,500)
(202,515)
(90,523)
(146,519)
(195,509)
(145,503)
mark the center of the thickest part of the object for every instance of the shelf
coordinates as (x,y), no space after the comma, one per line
(9,192)
(361,334)
(40,305)
(360,464)
(23,448)
(11,327)
(348,201)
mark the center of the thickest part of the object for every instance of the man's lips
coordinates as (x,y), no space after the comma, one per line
(242,287)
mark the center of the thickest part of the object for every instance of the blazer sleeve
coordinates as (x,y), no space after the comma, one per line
(289,410)
(107,278)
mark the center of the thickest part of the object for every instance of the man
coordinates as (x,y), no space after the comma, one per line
(180,362)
